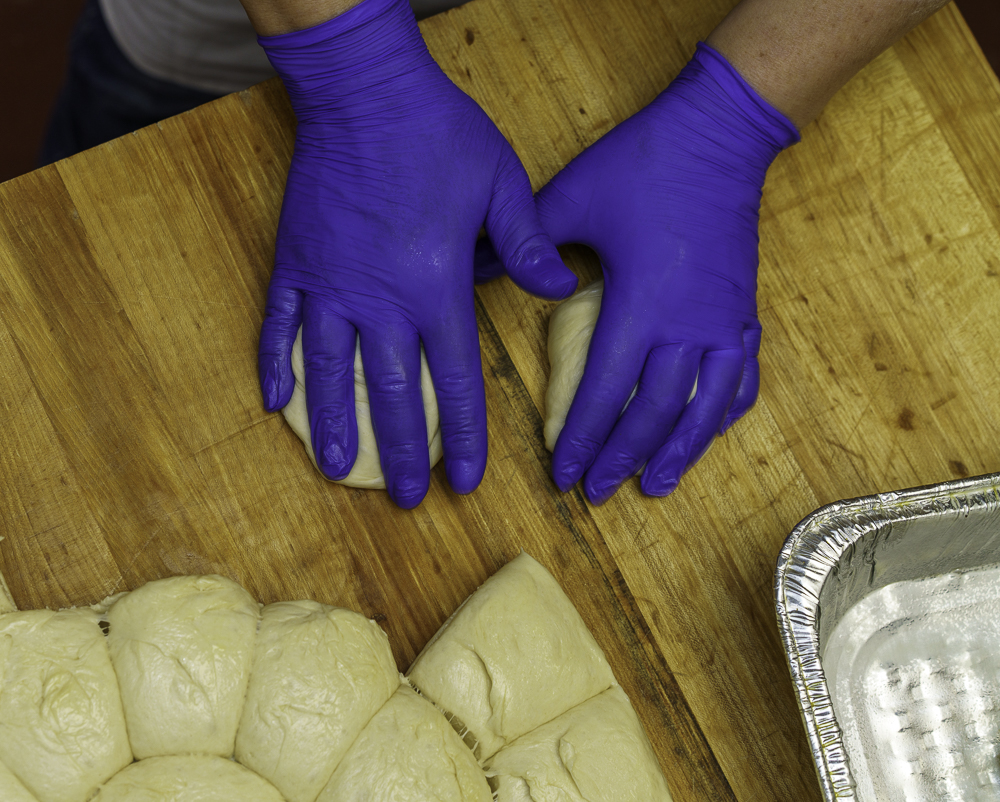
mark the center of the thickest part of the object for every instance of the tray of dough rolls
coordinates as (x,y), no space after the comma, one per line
(187,690)
(889,609)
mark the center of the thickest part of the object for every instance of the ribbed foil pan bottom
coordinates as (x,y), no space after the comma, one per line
(889,609)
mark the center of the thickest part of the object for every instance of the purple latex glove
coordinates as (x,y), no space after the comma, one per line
(670,201)
(395,171)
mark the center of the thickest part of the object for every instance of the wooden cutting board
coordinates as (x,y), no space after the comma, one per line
(132,280)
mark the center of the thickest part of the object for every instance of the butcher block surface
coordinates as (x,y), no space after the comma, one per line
(135,445)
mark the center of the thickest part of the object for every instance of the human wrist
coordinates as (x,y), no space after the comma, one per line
(274,17)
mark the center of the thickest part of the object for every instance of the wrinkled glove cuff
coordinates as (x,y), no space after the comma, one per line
(356,56)
(730,111)
(758,111)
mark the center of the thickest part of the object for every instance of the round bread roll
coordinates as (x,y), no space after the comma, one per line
(181,648)
(367,470)
(187,778)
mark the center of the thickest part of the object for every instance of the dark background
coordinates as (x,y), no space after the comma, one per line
(33,40)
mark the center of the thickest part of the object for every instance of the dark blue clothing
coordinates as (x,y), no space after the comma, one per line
(105,95)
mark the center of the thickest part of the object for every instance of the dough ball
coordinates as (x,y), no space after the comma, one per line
(408,753)
(187,778)
(367,470)
(570,330)
(62,731)
(319,674)
(595,752)
(515,655)
(181,648)
(12,789)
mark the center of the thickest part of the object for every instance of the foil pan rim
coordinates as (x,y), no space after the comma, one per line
(806,560)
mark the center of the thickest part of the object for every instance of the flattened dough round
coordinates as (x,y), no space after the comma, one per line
(187,778)
(515,655)
(319,673)
(367,470)
(594,752)
(571,327)
(408,753)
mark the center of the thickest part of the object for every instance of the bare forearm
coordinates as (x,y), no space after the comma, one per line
(271,17)
(798,53)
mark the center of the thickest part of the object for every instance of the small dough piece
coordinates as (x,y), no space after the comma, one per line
(367,470)
(595,752)
(319,674)
(6,600)
(515,655)
(187,778)
(408,753)
(571,327)
(62,731)
(181,648)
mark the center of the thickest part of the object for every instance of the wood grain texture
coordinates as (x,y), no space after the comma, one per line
(135,445)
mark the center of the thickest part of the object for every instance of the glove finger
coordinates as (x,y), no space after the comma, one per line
(391,356)
(663,392)
(611,372)
(746,396)
(282,317)
(699,423)
(526,252)
(328,344)
(455,364)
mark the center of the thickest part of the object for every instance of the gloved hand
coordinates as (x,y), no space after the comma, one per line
(395,171)
(670,201)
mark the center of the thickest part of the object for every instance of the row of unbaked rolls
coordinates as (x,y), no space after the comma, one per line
(187,690)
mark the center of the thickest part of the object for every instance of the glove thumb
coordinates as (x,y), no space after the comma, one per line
(524,248)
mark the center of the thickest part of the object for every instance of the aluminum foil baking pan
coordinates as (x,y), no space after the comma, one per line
(889,609)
